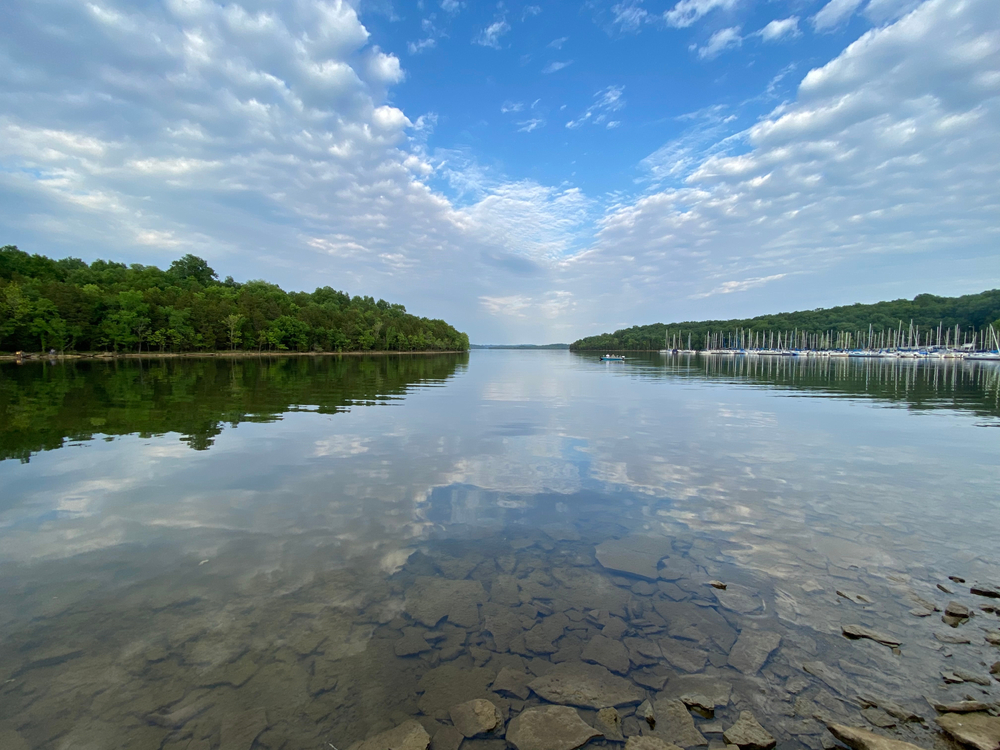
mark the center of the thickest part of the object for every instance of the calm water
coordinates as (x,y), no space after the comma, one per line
(350,543)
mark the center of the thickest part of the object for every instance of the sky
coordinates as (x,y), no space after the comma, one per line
(530,172)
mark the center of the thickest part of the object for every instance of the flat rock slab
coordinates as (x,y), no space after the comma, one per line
(648,743)
(862,739)
(585,685)
(240,731)
(748,734)
(609,723)
(752,650)
(860,631)
(430,600)
(683,657)
(412,643)
(449,684)
(549,728)
(513,682)
(607,653)
(985,589)
(716,690)
(953,638)
(981,731)
(739,599)
(636,555)
(446,738)
(961,707)
(854,597)
(476,717)
(407,736)
(674,724)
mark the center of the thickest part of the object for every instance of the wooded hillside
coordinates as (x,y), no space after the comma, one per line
(69,305)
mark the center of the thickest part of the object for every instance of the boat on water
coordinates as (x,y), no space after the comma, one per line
(613,358)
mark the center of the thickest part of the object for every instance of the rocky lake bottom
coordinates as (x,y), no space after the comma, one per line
(582,563)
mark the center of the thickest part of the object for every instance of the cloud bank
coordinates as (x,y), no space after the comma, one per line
(268,142)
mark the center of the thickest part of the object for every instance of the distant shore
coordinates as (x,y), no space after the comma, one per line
(42,356)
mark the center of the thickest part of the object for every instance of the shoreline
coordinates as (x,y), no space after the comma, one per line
(41,356)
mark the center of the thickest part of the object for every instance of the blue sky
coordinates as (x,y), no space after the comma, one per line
(530,172)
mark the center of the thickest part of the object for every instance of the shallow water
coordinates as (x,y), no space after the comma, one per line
(183,541)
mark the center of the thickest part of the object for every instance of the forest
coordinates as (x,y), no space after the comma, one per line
(71,306)
(972,312)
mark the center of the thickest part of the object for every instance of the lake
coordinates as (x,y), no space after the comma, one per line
(302,552)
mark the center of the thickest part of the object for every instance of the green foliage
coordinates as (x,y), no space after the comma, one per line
(70,305)
(42,406)
(972,311)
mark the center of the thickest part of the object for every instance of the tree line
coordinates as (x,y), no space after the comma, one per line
(972,312)
(69,305)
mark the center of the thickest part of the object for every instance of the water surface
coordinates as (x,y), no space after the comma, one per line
(346,543)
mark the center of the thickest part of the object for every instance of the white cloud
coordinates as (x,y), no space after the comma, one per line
(531,10)
(629,16)
(558,43)
(415,48)
(686,12)
(528,125)
(720,41)
(834,13)
(556,66)
(385,68)
(728,287)
(451,6)
(509,106)
(490,36)
(889,152)
(606,101)
(780,28)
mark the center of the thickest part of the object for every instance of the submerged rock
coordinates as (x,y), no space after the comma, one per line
(635,555)
(609,723)
(980,730)
(700,704)
(446,738)
(407,736)
(985,589)
(431,599)
(853,597)
(877,717)
(476,717)
(549,728)
(953,638)
(862,739)
(860,631)
(739,599)
(957,610)
(646,713)
(752,650)
(513,682)
(963,675)
(748,734)
(412,643)
(586,685)
(240,731)
(961,707)
(608,653)
(682,657)
(648,743)
(674,724)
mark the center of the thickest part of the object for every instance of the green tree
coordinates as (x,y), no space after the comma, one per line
(233,322)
